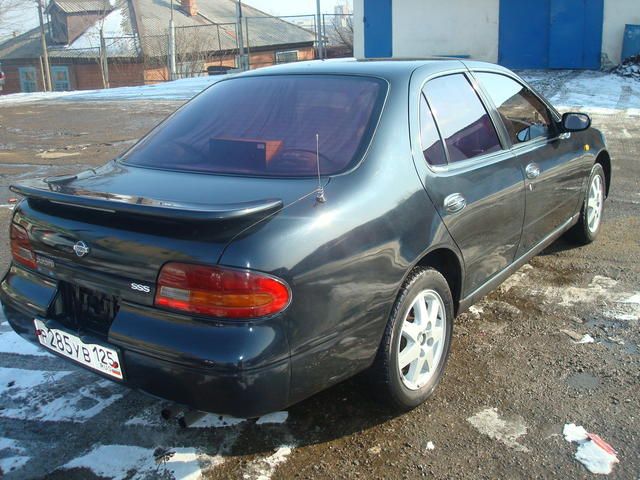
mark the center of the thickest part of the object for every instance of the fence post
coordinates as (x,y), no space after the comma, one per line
(319,30)
(104,60)
(242,64)
(172,50)
(246,25)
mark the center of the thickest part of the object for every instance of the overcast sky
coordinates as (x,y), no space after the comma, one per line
(293,7)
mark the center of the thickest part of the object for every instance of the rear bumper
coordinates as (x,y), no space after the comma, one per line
(239,369)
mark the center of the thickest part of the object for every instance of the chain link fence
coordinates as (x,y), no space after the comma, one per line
(212,48)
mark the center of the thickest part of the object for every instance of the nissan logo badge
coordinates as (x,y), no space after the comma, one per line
(81,249)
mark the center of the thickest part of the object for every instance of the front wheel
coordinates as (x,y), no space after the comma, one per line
(415,347)
(592,211)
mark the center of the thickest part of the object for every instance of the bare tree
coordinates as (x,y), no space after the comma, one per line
(11,16)
(195,47)
(92,40)
(341,33)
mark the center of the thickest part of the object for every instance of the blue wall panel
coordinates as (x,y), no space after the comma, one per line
(378,34)
(524,33)
(551,33)
(576,33)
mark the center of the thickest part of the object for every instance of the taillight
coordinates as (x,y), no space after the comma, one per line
(21,247)
(219,291)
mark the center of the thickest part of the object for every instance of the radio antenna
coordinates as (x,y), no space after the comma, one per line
(320,195)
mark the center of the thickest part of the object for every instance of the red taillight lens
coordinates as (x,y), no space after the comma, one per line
(220,292)
(21,247)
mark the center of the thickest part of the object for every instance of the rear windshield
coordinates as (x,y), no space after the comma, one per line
(267,126)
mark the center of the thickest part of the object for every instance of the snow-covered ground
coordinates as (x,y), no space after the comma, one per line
(593,92)
(177,90)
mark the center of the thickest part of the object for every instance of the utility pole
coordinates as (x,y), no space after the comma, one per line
(172,46)
(104,61)
(45,54)
(319,30)
(242,63)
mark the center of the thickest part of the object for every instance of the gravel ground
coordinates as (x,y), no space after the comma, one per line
(514,379)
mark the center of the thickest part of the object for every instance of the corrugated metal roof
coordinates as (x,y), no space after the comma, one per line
(80,6)
(213,29)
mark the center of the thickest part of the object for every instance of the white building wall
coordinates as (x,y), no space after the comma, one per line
(423,28)
(617,13)
(358,28)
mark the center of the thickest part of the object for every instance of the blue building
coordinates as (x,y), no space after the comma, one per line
(578,34)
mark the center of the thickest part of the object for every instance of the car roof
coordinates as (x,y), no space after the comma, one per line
(385,68)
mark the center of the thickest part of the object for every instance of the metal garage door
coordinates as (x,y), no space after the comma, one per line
(377,29)
(551,33)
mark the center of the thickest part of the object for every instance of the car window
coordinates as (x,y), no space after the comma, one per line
(523,113)
(267,126)
(432,148)
(464,123)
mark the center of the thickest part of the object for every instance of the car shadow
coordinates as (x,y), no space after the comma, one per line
(560,245)
(337,412)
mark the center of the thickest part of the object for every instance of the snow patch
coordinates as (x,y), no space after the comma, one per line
(12,462)
(213,420)
(430,446)
(489,423)
(18,384)
(516,279)
(275,417)
(11,342)
(264,468)
(602,290)
(150,417)
(598,92)
(37,395)
(476,310)
(586,339)
(183,89)
(117,462)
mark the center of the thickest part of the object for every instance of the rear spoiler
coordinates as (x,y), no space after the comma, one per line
(160,209)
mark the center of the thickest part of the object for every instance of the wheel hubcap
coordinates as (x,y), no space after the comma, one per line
(422,339)
(595,202)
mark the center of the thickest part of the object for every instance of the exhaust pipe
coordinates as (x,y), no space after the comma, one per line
(190,417)
(172,411)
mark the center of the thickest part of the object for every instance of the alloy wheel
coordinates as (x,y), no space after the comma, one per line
(422,340)
(595,202)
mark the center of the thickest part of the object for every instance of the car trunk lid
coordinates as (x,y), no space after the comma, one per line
(112,229)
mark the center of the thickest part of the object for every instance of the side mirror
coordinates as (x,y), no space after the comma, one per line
(575,122)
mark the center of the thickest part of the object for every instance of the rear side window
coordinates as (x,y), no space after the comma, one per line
(267,126)
(524,114)
(464,123)
(432,148)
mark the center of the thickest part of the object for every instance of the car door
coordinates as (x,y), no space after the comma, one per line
(552,167)
(475,183)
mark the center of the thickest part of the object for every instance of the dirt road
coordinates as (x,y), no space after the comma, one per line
(514,377)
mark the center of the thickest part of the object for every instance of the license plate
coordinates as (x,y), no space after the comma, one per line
(97,357)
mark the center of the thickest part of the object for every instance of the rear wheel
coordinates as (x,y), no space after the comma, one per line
(590,221)
(415,347)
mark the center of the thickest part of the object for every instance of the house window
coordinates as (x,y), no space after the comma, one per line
(28,79)
(287,56)
(60,78)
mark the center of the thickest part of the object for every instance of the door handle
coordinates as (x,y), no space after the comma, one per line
(454,203)
(532,171)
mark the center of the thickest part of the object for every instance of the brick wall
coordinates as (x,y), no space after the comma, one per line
(12,77)
(86,76)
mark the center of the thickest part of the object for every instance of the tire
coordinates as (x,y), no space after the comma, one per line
(406,388)
(591,215)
